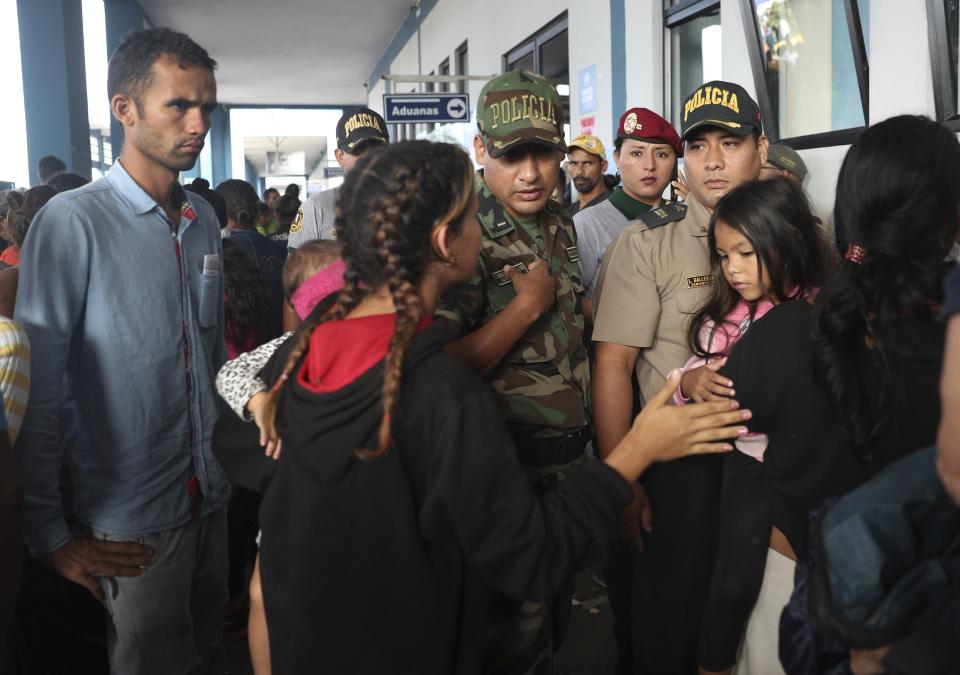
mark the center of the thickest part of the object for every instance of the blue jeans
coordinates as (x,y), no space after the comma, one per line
(167,621)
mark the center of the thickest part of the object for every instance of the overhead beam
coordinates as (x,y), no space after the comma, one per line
(451,79)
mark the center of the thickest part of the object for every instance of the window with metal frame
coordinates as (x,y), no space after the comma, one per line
(944,21)
(429,88)
(811,69)
(546,52)
(693,50)
(463,65)
(444,70)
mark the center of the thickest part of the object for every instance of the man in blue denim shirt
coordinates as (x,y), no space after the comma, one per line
(121,294)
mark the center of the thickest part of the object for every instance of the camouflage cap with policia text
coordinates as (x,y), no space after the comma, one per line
(517,108)
(360,125)
(720,104)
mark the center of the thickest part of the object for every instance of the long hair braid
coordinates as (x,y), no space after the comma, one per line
(386,211)
(401,284)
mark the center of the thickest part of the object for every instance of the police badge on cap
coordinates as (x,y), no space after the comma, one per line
(360,125)
(643,124)
(720,104)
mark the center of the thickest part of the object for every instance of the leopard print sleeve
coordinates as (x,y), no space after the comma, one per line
(237,381)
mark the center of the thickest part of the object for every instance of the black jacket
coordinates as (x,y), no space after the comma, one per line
(382,566)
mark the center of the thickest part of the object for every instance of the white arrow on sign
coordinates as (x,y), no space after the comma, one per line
(456,108)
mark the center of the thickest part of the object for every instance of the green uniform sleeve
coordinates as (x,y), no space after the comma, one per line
(463,306)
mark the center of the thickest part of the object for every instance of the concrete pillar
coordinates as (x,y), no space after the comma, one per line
(54,83)
(123,16)
(220,141)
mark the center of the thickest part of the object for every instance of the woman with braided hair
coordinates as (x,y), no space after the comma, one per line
(398,500)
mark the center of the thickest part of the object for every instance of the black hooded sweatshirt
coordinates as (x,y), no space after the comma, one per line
(383,566)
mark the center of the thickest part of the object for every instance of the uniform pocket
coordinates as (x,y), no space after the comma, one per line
(210,291)
(694,292)
(499,297)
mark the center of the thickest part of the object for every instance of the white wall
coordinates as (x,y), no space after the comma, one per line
(589,39)
(901,80)
(900,73)
(736,45)
(489,36)
(644,34)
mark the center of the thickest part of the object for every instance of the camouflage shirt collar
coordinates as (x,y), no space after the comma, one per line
(627,205)
(491,209)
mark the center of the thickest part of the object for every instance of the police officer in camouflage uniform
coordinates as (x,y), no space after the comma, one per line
(519,323)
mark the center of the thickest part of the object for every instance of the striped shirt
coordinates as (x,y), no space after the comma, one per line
(14,373)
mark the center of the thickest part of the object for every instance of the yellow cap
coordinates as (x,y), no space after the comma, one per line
(591,144)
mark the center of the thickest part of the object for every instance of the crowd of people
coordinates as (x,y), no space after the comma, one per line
(380,430)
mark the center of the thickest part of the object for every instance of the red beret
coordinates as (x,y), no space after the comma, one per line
(643,124)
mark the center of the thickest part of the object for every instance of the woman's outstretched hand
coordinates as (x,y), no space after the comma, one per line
(259,405)
(662,432)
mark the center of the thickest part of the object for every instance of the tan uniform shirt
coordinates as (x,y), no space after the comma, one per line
(652,282)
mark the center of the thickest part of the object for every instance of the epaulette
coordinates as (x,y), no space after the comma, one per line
(493,227)
(660,216)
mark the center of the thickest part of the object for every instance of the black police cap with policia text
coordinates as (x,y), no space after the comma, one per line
(360,125)
(720,104)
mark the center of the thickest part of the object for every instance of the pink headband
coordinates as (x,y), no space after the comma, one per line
(317,287)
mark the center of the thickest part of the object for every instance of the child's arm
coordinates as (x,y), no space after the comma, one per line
(699,380)
(237,381)
(692,362)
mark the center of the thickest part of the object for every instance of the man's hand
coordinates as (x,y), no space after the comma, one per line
(680,186)
(869,661)
(706,384)
(536,288)
(83,558)
(637,515)
(259,405)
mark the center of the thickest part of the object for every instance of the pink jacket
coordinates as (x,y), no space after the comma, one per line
(721,341)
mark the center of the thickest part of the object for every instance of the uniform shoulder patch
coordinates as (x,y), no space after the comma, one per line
(494,228)
(297,223)
(660,216)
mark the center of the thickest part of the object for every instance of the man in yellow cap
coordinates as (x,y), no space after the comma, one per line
(586,164)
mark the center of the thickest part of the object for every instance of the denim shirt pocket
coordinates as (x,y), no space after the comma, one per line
(210,290)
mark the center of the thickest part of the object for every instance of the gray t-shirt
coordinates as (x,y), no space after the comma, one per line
(315,220)
(597,227)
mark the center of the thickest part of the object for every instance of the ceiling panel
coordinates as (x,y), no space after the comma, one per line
(287,52)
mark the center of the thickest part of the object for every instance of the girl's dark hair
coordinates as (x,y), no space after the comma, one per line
(287,208)
(247,308)
(387,210)
(62,182)
(19,219)
(242,201)
(897,198)
(775,217)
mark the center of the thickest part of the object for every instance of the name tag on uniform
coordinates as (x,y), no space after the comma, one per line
(573,254)
(699,282)
(500,277)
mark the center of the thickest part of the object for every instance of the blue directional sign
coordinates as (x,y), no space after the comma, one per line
(426,108)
